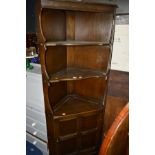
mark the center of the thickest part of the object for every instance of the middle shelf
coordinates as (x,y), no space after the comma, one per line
(76,43)
(73,73)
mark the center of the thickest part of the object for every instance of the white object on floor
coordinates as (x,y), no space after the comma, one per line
(35,110)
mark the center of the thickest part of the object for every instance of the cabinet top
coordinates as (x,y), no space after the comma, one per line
(78,6)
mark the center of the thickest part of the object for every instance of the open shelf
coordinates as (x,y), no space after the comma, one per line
(75,74)
(74,104)
(75,43)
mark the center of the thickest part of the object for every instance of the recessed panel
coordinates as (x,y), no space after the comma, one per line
(68,146)
(89,122)
(88,141)
(67,126)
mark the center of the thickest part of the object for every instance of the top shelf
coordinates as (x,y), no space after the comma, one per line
(76,43)
(78,6)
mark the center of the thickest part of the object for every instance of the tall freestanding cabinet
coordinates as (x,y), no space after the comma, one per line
(76,41)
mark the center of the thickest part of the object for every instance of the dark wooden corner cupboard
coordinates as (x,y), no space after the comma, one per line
(76,41)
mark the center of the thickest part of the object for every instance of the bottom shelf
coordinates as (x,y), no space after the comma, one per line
(74,104)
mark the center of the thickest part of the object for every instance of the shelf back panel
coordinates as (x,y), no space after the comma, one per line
(56,59)
(90,57)
(57,91)
(93,26)
(53,24)
(93,88)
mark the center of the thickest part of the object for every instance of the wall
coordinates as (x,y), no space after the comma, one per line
(30,16)
(120,58)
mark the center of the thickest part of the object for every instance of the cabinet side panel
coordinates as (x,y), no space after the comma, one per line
(53,24)
(93,26)
(56,59)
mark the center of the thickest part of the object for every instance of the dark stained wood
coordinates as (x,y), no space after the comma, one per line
(75,43)
(116,140)
(93,7)
(100,29)
(70,25)
(80,130)
(92,57)
(48,108)
(113,107)
(55,59)
(75,74)
(93,87)
(56,92)
(97,58)
(75,46)
(71,105)
(119,84)
(118,96)
(53,31)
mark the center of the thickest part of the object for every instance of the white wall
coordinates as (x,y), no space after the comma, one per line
(120,58)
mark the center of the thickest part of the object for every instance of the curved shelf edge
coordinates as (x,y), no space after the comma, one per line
(76,43)
(73,74)
(74,79)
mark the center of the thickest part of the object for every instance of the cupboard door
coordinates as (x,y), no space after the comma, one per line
(68,146)
(89,122)
(67,126)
